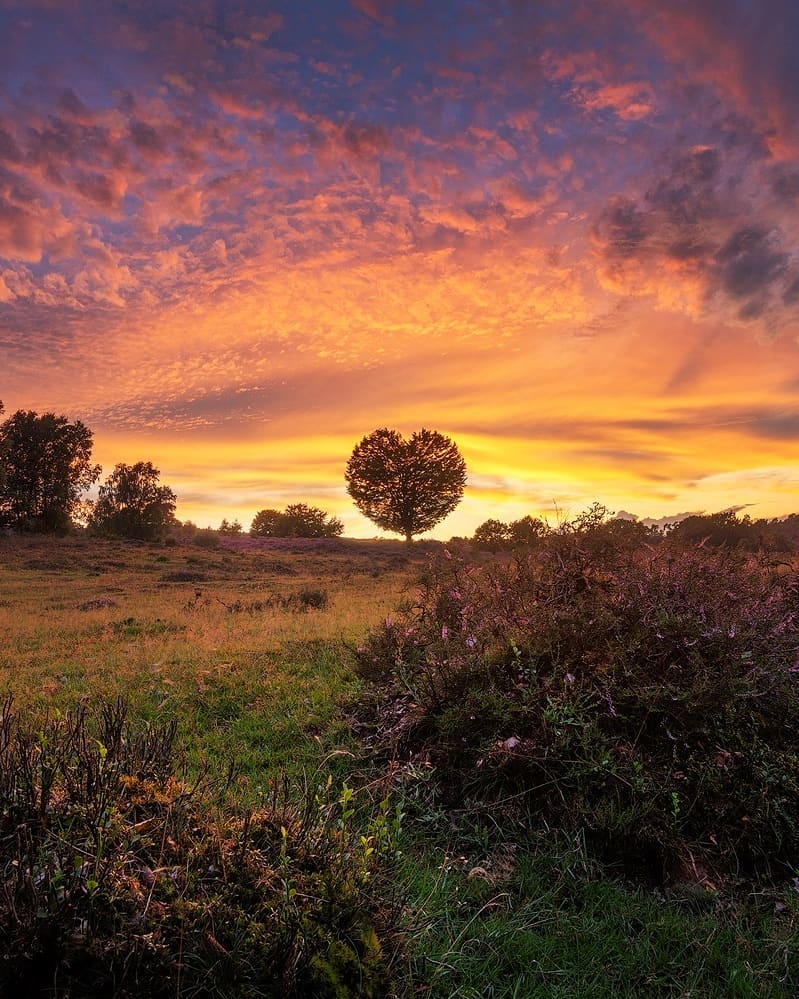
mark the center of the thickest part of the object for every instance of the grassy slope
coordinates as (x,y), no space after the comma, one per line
(177,631)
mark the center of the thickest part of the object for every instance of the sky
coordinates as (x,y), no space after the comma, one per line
(235,237)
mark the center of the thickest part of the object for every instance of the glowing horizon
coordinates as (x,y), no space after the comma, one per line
(235,240)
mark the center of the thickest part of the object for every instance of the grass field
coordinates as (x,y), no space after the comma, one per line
(248,648)
(232,642)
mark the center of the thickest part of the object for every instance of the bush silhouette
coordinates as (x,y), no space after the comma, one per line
(298,520)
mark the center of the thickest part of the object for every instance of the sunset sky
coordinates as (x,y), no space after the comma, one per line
(237,236)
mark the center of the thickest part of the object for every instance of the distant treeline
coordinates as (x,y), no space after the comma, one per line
(46,470)
(599,527)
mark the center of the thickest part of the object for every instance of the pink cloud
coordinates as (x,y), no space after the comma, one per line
(6,294)
(22,233)
(630,101)
(377,10)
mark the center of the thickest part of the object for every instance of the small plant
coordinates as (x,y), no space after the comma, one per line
(122,876)
(312,598)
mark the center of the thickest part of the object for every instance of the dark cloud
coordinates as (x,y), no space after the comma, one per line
(782,426)
(744,50)
(147,139)
(791,293)
(697,215)
(785,184)
(687,195)
(365,141)
(758,422)
(750,261)
(688,249)
(70,104)
(9,150)
(21,232)
(59,143)
(622,456)
(99,189)
(623,228)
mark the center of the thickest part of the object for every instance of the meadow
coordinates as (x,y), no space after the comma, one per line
(231,641)
(255,652)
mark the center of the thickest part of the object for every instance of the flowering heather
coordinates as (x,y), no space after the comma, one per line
(646,696)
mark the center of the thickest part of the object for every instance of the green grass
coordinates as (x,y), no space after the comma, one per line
(490,912)
(543,930)
(245,672)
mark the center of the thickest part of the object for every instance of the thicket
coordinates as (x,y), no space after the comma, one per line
(725,529)
(645,697)
(120,876)
(298,520)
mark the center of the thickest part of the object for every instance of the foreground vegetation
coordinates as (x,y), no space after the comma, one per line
(124,879)
(406,851)
(646,696)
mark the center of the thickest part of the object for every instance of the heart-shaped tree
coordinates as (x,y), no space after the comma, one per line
(406,486)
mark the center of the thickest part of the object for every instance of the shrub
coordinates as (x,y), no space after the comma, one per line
(120,877)
(647,696)
(184,576)
(232,529)
(312,598)
(206,538)
(302,601)
(492,534)
(523,533)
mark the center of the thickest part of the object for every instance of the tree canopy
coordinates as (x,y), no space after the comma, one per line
(132,504)
(406,486)
(228,528)
(298,520)
(46,465)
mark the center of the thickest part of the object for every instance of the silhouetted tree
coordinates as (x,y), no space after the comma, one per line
(264,524)
(302,521)
(132,504)
(406,486)
(492,534)
(46,466)
(298,520)
(527,531)
(227,528)
(716,529)
(521,533)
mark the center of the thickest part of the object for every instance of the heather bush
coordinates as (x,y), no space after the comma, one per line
(644,695)
(122,877)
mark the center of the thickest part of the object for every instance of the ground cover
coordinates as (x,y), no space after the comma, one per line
(249,649)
